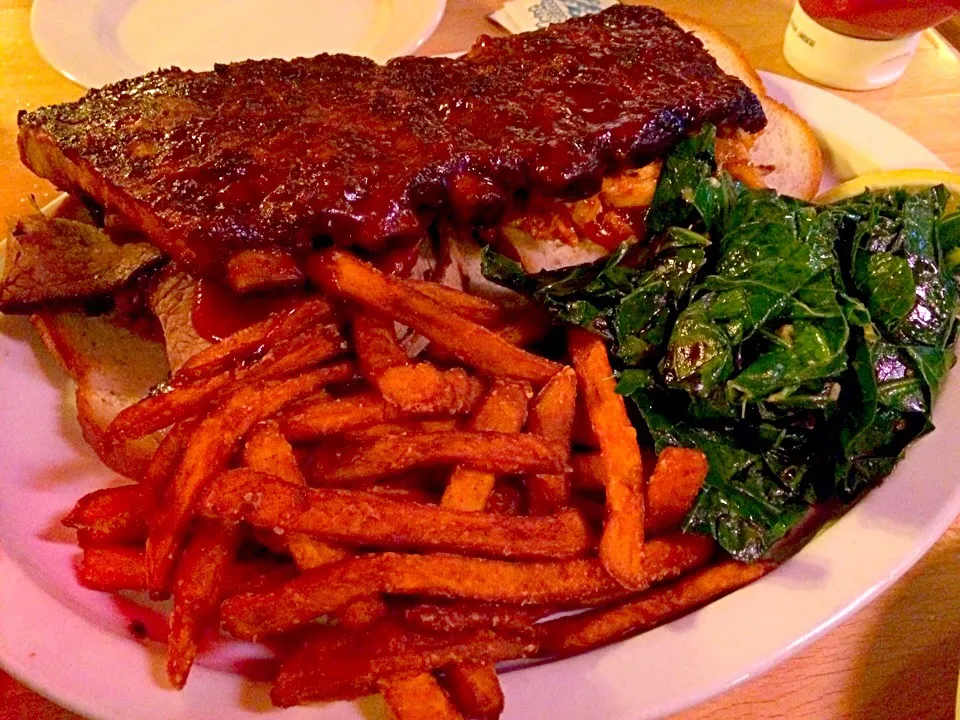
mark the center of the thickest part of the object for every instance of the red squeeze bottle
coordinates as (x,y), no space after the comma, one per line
(859,44)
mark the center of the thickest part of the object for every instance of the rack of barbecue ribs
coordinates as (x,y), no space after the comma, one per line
(274,154)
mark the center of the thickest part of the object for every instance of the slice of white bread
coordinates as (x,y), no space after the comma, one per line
(112,368)
(561,254)
(788,146)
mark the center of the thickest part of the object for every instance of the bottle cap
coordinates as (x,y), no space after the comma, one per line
(844,62)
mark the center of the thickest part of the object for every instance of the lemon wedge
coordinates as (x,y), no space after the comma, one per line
(886,179)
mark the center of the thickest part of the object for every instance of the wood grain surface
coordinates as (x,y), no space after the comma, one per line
(898,658)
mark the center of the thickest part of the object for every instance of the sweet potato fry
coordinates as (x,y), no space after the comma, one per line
(319,417)
(587,470)
(479,310)
(592,508)
(267,450)
(327,641)
(403,427)
(571,582)
(579,633)
(414,388)
(468,489)
(308,552)
(376,345)
(364,463)
(525,327)
(167,406)
(167,456)
(469,615)
(673,487)
(679,476)
(551,417)
(621,546)
(113,568)
(308,349)
(322,671)
(343,275)
(504,410)
(476,690)
(199,585)
(207,453)
(175,403)
(257,576)
(258,270)
(255,340)
(343,516)
(423,388)
(362,612)
(113,515)
(418,698)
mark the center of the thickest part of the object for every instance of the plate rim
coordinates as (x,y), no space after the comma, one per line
(720,683)
(48,38)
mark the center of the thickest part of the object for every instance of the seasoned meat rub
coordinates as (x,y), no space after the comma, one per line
(275,153)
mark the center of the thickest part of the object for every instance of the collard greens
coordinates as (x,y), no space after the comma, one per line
(800,348)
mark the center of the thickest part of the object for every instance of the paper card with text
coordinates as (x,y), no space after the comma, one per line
(525,15)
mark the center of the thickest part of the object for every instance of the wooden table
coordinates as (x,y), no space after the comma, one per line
(894,660)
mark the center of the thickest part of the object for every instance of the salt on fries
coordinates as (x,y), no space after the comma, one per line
(267,450)
(436,511)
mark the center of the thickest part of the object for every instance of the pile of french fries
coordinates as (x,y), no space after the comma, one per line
(401,523)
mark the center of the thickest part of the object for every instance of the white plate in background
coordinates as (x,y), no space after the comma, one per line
(74,645)
(95,42)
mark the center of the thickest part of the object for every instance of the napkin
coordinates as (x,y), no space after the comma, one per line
(524,15)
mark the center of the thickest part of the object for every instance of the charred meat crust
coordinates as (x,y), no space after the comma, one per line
(273,153)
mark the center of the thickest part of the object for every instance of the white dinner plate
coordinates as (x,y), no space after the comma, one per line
(95,42)
(75,645)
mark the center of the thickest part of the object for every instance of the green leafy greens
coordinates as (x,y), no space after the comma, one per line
(800,348)
(631,308)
